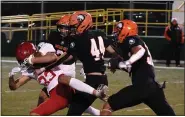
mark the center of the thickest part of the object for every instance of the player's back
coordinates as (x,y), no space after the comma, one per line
(89,48)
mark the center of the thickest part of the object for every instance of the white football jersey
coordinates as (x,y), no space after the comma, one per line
(50,78)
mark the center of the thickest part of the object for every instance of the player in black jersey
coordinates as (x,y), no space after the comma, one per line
(58,39)
(136,59)
(63,79)
(89,47)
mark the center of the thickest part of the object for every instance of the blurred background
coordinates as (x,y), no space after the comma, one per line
(33,21)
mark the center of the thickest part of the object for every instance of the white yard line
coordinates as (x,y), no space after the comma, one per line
(158,67)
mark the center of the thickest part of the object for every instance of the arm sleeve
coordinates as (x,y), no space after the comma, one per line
(47,47)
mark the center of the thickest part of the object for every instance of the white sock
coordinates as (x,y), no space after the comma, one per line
(81,86)
(93,111)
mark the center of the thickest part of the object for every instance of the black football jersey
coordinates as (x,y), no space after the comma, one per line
(89,48)
(60,44)
(142,70)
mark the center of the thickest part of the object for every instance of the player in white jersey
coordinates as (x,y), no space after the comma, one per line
(59,94)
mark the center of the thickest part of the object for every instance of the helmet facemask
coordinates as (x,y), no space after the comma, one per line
(63,30)
(117,31)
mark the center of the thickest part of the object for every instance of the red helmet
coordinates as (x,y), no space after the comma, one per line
(24,50)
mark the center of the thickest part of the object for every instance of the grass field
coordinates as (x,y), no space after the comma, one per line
(23,100)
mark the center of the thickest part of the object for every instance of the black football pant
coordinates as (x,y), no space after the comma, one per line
(80,100)
(173,52)
(150,94)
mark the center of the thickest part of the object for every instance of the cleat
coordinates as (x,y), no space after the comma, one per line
(102,92)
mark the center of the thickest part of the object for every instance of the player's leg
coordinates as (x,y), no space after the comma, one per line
(43,96)
(81,101)
(79,85)
(126,97)
(58,100)
(157,102)
(92,111)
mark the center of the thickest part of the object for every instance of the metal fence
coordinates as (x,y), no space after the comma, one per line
(103,19)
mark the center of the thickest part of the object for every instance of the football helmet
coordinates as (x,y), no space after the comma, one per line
(79,22)
(23,51)
(63,25)
(124,29)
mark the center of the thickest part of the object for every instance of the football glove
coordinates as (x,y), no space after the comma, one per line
(14,71)
(114,62)
(125,65)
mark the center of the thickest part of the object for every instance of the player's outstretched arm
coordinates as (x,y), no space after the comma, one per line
(137,53)
(15,84)
(61,59)
(48,58)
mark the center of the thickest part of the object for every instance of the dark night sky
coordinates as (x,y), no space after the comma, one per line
(15,8)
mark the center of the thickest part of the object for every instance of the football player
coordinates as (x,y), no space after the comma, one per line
(60,41)
(137,60)
(72,82)
(89,47)
(59,94)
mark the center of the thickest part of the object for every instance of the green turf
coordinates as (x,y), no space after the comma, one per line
(21,103)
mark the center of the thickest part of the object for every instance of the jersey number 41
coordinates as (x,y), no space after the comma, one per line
(98,53)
